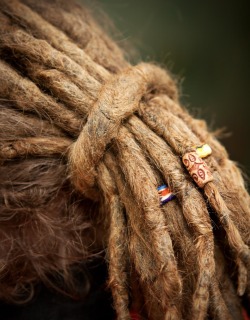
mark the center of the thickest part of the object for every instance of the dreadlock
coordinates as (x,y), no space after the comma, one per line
(86,138)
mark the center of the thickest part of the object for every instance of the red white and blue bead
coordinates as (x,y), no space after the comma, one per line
(165,194)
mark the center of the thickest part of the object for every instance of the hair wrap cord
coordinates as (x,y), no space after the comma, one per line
(118,99)
(79,122)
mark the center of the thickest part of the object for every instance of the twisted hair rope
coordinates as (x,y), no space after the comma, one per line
(37,146)
(69,81)
(210,189)
(102,125)
(77,23)
(117,246)
(227,288)
(225,169)
(97,126)
(141,254)
(148,200)
(118,99)
(24,16)
(107,117)
(21,42)
(154,278)
(163,156)
(22,125)
(13,86)
(239,211)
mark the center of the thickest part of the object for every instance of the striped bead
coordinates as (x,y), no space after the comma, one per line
(165,194)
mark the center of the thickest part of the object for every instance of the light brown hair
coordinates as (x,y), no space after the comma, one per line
(86,138)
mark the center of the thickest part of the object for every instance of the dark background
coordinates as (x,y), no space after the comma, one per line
(206,44)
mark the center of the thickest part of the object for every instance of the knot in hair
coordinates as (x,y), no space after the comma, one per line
(70,102)
(118,99)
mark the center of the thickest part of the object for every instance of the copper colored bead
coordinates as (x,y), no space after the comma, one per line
(197,168)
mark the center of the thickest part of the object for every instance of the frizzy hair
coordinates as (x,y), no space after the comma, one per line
(86,138)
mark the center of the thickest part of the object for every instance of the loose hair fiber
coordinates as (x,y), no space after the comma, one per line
(86,139)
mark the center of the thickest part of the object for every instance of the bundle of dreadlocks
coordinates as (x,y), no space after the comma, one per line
(98,154)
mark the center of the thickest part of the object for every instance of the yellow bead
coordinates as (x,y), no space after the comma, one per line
(203,151)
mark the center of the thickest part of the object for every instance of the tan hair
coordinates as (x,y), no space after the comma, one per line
(86,138)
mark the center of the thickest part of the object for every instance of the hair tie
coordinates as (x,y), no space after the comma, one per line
(118,99)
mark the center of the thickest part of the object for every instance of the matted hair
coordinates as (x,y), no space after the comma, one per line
(86,139)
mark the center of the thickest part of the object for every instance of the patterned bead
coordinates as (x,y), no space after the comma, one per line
(197,168)
(165,194)
(204,150)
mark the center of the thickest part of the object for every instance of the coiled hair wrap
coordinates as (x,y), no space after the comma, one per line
(86,140)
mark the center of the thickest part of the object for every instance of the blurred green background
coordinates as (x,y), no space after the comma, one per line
(204,43)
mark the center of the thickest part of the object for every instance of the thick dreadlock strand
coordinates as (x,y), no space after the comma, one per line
(39,51)
(141,252)
(13,86)
(34,146)
(226,286)
(154,220)
(78,121)
(210,189)
(118,251)
(41,28)
(160,153)
(78,24)
(17,125)
(225,168)
(62,88)
(226,171)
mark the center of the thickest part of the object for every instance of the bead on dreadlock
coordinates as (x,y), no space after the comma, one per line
(165,194)
(75,85)
(204,150)
(197,168)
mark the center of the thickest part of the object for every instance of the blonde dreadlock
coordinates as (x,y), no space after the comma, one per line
(85,140)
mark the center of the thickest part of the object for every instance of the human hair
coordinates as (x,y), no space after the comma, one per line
(86,139)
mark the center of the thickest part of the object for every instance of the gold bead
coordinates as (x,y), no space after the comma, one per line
(204,150)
